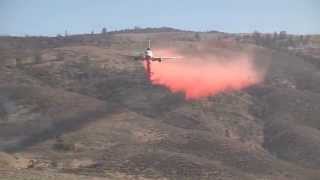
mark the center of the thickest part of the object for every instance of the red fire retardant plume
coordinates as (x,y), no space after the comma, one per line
(206,76)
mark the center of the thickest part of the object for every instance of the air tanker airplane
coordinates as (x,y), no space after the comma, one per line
(148,55)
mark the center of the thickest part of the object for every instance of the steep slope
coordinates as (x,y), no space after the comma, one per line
(84,103)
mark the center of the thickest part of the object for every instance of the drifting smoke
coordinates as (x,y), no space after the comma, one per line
(204,76)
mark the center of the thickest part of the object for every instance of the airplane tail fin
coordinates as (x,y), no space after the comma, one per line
(149,44)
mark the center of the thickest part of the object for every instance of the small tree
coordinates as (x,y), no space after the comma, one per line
(104,31)
(290,40)
(275,36)
(197,36)
(257,37)
(283,35)
(301,38)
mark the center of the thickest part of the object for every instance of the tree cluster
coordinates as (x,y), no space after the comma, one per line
(279,40)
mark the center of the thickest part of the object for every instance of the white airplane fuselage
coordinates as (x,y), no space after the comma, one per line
(148,54)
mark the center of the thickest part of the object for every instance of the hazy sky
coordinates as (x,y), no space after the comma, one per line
(50,17)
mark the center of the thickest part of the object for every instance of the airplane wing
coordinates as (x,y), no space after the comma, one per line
(134,57)
(163,58)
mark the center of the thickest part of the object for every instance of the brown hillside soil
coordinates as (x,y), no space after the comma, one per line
(85,109)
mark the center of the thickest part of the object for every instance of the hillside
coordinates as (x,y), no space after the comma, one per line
(80,107)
